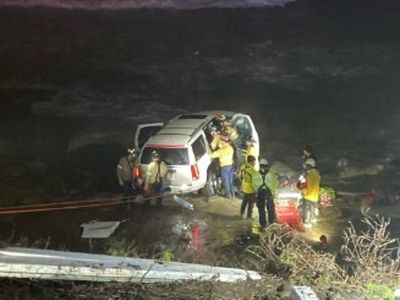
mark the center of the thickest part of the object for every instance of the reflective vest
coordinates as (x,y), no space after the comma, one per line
(268,180)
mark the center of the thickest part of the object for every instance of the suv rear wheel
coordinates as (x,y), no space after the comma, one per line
(213,185)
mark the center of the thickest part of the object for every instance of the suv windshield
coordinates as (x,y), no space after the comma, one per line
(171,156)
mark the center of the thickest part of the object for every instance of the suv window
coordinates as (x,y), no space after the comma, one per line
(171,156)
(199,148)
(243,126)
(145,133)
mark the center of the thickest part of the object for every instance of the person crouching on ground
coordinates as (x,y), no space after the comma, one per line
(225,154)
(246,176)
(156,173)
(265,183)
(310,192)
(125,176)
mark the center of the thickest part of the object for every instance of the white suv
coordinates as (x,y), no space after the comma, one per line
(183,144)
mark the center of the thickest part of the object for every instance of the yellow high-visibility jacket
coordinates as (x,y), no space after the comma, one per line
(265,180)
(313,180)
(252,150)
(225,155)
(247,173)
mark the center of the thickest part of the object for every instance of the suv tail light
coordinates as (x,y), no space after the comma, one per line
(137,172)
(195,172)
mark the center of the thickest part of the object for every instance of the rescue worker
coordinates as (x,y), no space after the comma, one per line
(310,192)
(246,175)
(308,153)
(251,149)
(228,130)
(265,183)
(125,175)
(231,133)
(216,138)
(156,174)
(225,155)
(220,119)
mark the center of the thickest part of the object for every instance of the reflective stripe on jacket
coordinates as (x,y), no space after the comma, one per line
(311,191)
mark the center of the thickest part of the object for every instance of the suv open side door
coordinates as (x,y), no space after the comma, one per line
(144,132)
(245,127)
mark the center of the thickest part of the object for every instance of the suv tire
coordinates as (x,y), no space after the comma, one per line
(213,185)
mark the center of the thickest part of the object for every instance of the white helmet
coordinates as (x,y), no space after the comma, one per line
(264,162)
(310,162)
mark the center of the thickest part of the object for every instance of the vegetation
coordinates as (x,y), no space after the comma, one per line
(367,267)
(122,248)
(167,256)
(368,264)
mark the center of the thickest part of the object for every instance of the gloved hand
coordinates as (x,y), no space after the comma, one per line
(121,182)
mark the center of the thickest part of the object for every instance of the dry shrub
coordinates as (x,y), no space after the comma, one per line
(370,260)
(287,253)
(372,256)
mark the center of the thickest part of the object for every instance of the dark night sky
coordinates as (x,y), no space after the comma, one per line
(179,4)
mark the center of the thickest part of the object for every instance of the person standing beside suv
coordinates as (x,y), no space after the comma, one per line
(247,173)
(125,176)
(156,173)
(225,154)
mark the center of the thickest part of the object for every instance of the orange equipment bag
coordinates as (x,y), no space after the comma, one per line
(287,213)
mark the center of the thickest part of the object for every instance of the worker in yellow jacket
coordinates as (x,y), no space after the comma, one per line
(216,138)
(225,155)
(247,173)
(310,192)
(252,150)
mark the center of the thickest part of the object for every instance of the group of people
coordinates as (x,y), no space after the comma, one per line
(239,153)
(258,184)
(231,149)
(132,182)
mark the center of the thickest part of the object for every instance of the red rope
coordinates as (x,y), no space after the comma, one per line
(67,205)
